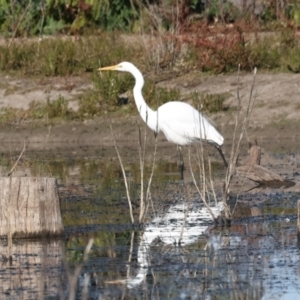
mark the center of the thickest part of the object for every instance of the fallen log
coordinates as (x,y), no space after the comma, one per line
(253,171)
(29,207)
(259,174)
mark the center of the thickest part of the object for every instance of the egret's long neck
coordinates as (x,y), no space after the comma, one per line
(148,115)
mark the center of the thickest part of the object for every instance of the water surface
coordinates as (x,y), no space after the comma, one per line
(178,254)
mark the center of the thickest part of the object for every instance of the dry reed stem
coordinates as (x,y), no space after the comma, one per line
(185,213)
(159,48)
(211,182)
(142,165)
(124,174)
(206,179)
(201,166)
(123,170)
(145,198)
(148,193)
(206,182)
(235,148)
(73,278)
(128,265)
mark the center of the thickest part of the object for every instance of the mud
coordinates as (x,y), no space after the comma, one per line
(257,257)
(275,114)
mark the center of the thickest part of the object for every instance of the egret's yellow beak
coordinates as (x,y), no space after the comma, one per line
(108,68)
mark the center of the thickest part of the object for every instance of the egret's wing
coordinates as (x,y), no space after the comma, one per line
(183,124)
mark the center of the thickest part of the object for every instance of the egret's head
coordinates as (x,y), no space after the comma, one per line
(123,66)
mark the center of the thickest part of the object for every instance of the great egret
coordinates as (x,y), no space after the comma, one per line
(181,123)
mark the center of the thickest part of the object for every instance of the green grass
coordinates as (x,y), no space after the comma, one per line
(10,115)
(98,101)
(281,121)
(211,103)
(56,56)
(50,110)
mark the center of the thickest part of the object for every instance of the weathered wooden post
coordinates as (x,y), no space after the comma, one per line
(29,207)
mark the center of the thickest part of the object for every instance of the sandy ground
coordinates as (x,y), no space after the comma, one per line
(20,92)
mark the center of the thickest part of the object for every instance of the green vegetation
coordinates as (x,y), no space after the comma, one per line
(8,115)
(157,36)
(210,103)
(32,17)
(63,56)
(281,121)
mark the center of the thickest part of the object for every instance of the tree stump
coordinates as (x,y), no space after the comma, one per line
(29,207)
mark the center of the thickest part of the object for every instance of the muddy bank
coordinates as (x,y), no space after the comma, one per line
(74,135)
(274,124)
(275,114)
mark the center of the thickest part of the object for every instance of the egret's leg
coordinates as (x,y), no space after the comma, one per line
(181,162)
(223,157)
(220,152)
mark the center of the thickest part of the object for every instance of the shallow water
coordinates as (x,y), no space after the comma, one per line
(177,254)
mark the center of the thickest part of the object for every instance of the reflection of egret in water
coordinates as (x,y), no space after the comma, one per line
(237,261)
(182,225)
(252,259)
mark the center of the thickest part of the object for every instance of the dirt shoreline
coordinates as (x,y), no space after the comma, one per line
(276,113)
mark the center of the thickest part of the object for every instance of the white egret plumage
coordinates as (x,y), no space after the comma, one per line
(181,123)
